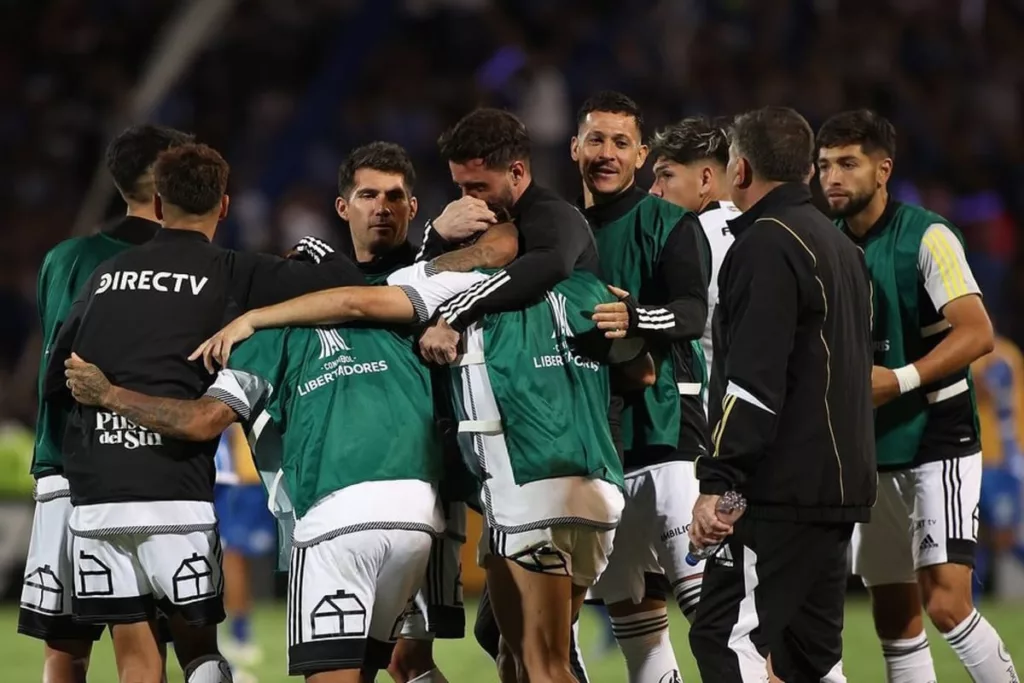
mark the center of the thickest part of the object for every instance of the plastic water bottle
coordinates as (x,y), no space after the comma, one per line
(730,508)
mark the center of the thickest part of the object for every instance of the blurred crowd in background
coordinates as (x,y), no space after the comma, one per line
(287,88)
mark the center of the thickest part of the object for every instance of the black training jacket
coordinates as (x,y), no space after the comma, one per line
(791,410)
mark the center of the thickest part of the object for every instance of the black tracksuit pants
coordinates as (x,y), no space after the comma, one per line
(776,587)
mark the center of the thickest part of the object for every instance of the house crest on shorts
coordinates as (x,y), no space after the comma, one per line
(49,596)
(193,579)
(339,615)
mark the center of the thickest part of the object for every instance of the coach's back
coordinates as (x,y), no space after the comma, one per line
(817,455)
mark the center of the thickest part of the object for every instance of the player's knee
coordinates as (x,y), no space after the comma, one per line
(947,607)
(946,590)
(208,669)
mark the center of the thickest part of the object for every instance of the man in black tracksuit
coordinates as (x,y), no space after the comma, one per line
(792,415)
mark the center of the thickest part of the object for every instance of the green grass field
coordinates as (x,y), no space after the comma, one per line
(464,662)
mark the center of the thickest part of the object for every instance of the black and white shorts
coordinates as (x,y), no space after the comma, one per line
(48,586)
(652,538)
(347,598)
(128,578)
(437,610)
(924,516)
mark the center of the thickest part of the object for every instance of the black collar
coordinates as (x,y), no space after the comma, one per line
(616,207)
(879,226)
(179,234)
(399,257)
(712,206)
(530,196)
(132,229)
(788,194)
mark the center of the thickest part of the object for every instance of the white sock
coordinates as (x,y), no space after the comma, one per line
(688,595)
(643,639)
(981,651)
(908,660)
(432,676)
(208,669)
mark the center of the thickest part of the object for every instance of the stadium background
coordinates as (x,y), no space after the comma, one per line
(284,89)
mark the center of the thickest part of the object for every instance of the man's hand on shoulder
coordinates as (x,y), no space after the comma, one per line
(87,382)
(464,218)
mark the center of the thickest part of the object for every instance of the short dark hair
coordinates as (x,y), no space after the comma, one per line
(131,155)
(695,138)
(862,127)
(494,135)
(191,177)
(610,102)
(777,141)
(386,157)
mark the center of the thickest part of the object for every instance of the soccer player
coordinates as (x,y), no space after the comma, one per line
(143,516)
(689,171)
(46,597)
(375,198)
(488,153)
(658,252)
(929,325)
(247,530)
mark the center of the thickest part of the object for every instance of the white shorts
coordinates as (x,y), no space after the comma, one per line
(576,551)
(128,578)
(347,597)
(437,610)
(47,590)
(652,537)
(924,516)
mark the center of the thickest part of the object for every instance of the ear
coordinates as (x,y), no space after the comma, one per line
(341,206)
(414,206)
(884,171)
(518,170)
(641,157)
(574,148)
(707,177)
(744,173)
(158,207)
(225,202)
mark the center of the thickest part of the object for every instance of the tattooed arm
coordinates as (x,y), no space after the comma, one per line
(496,248)
(202,419)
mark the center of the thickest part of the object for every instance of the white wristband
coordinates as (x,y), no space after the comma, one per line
(908,377)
